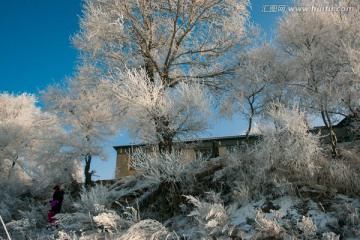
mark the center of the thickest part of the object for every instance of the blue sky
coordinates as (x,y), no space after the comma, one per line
(35,51)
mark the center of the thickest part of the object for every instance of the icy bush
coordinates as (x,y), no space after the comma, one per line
(212,216)
(107,220)
(307,226)
(287,147)
(330,236)
(131,214)
(282,185)
(171,174)
(341,175)
(242,192)
(174,167)
(148,229)
(267,228)
(92,211)
(63,235)
(12,188)
(23,215)
(284,154)
(9,206)
(75,221)
(239,174)
(18,228)
(351,214)
(37,213)
(98,195)
(355,126)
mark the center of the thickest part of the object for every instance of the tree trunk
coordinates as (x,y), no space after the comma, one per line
(166,145)
(328,123)
(165,142)
(88,174)
(163,132)
(252,114)
(164,135)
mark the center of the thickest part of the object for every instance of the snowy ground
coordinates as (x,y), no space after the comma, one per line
(212,202)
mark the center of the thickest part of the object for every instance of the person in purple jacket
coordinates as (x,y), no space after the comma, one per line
(55,204)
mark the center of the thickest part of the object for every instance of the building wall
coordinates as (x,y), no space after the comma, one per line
(212,148)
(123,164)
(190,152)
(217,147)
(223,151)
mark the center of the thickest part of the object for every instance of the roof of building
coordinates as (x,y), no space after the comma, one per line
(346,122)
(343,123)
(194,140)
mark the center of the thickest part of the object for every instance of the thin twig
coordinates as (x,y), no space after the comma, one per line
(7,233)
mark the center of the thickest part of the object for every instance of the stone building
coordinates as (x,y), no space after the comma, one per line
(218,146)
(209,147)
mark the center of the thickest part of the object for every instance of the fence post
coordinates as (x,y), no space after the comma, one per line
(7,233)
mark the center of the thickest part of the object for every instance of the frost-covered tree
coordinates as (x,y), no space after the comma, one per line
(352,101)
(318,46)
(88,120)
(175,42)
(156,113)
(30,141)
(253,87)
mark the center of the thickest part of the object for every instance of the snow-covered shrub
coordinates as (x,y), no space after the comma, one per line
(353,214)
(212,216)
(242,192)
(174,167)
(173,174)
(9,206)
(98,195)
(13,188)
(357,233)
(287,148)
(348,216)
(239,174)
(330,236)
(92,211)
(107,220)
(63,235)
(36,213)
(307,226)
(284,153)
(148,229)
(103,224)
(267,228)
(18,228)
(75,221)
(24,214)
(282,185)
(355,125)
(341,175)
